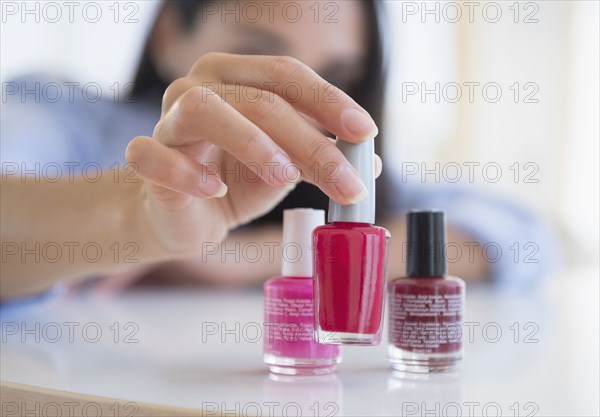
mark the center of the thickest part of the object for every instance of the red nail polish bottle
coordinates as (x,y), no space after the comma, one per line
(350,263)
(426,308)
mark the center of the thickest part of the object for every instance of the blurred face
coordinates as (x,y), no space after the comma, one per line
(330,37)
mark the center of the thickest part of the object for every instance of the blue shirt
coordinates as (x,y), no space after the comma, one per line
(76,132)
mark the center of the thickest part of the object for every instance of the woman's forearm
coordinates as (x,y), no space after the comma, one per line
(244,258)
(254,255)
(69,229)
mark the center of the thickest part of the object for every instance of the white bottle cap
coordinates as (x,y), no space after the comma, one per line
(361,157)
(298,225)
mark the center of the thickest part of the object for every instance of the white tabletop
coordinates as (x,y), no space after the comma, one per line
(176,358)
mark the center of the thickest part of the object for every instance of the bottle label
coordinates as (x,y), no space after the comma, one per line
(291,319)
(288,329)
(426,323)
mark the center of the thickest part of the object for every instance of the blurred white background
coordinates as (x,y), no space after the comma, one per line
(550,48)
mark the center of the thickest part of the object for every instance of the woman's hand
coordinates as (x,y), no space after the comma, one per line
(234,137)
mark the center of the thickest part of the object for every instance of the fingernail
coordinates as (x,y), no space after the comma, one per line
(212,186)
(221,191)
(350,185)
(359,123)
(378,166)
(284,170)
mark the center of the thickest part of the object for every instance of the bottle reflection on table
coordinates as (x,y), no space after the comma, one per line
(320,395)
(413,394)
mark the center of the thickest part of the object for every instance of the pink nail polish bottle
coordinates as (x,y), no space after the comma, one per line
(351,263)
(426,307)
(289,346)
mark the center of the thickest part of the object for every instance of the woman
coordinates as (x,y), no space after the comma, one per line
(237,94)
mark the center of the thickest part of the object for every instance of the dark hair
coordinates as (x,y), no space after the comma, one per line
(369,93)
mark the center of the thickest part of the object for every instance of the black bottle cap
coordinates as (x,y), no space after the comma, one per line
(426,243)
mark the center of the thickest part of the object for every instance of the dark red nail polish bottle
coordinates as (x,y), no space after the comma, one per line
(426,308)
(350,263)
